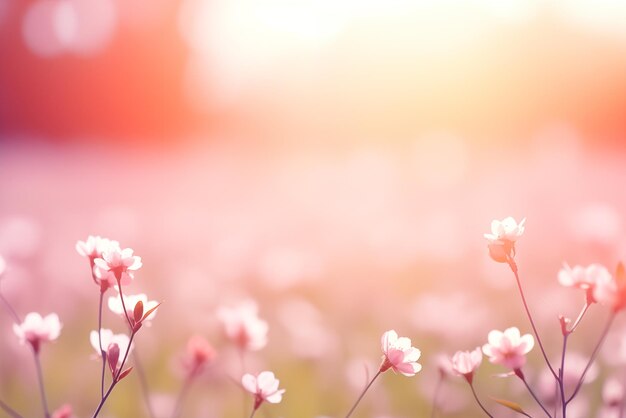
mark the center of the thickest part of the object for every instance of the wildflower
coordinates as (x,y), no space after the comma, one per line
(584,278)
(465,363)
(611,291)
(508,348)
(117,265)
(115,305)
(264,387)
(501,241)
(64,411)
(399,355)
(199,354)
(243,326)
(36,329)
(110,340)
(95,246)
(612,393)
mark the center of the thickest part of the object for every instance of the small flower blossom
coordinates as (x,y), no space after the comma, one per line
(37,329)
(243,326)
(264,387)
(95,246)
(109,339)
(465,363)
(115,305)
(612,392)
(508,348)
(199,354)
(116,265)
(611,291)
(501,241)
(399,355)
(583,278)
(64,411)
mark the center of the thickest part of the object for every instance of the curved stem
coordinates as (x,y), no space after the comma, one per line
(605,332)
(10,411)
(10,309)
(479,402)
(513,267)
(562,373)
(580,317)
(42,390)
(436,394)
(181,396)
(102,352)
(253,411)
(362,394)
(143,382)
(519,374)
(115,380)
(119,286)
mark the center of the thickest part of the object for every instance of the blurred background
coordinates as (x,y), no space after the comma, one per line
(336,161)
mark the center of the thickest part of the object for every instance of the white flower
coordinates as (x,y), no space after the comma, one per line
(108,338)
(508,348)
(399,355)
(243,326)
(95,245)
(264,387)
(583,277)
(115,305)
(505,230)
(117,264)
(37,329)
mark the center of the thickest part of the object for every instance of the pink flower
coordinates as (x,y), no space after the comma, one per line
(199,354)
(612,392)
(94,246)
(243,326)
(399,355)
(501,241)
(109,340)
(35,329)
(117,264)
(465,363)
(264,387)
(64,411)
(508,348)
(584,278)
(115,305)
(611,291)
(3,266)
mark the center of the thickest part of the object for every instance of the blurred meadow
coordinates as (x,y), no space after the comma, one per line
(336,161)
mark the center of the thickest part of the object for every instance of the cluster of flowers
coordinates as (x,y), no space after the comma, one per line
(114,267)
(509,348)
